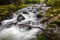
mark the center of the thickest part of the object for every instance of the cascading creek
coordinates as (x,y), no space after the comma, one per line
(24,24)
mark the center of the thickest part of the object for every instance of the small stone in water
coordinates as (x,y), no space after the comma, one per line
(39,16)
(34,12)
(33,8)
(25,12)
(28,8)
(37,10)
(29,27)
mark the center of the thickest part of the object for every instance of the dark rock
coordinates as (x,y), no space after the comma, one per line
(32,7)
(9,16)
(34,12)
(37,10)
(20,17)
(58,23)
(0,22)
(25,12)
(29,27)
(39,16)
(28,8)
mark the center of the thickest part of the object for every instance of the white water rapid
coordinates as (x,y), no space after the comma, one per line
(21,26)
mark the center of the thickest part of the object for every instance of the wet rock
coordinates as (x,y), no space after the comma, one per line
(34,12)
(0,22)
(37,10)
(39,16)
(32,7)
(20,17)
(28,8)
(24,12)
(29,27)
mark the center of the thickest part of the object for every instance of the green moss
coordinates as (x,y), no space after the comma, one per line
(54,11)
(56,3)
(53,2)
(41,37)
(52,26)
(50,36)
(42,1)
(50,2)
(8,9)
(33,1)
(57,22)
(22,6)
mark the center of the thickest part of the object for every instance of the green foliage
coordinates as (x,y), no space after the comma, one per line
(33,1)
(56,3)
(5,10)
(21,6)
(42,1)
(52,26)
(50,2)
(54,11)
(51,34)
(57,22)
(41,37)
(53,2)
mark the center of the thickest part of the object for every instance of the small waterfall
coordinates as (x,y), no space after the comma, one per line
(23,23)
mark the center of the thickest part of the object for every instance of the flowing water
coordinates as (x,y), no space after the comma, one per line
(23,23)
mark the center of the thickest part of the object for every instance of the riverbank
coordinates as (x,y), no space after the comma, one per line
(6,10)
